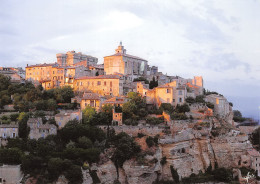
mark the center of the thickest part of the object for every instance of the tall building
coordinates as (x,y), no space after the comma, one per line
(72,58)
(128,65)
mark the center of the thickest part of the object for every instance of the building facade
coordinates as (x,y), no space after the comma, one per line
(104,85)
(128,65)
(72,58)
(8,131)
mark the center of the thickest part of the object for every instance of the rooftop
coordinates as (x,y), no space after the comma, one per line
(126,55)
(253,153)
(91,96)
(99,77)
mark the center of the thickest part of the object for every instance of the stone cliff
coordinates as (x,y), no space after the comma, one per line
(188,150)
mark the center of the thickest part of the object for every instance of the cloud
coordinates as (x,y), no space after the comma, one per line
(219,40)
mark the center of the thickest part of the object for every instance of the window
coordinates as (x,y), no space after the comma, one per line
(81,83)
(105,83)
(53,72)
(167,90)
(88,83)
(92,103)
(14,135)
(180,92)
(98,83)
(111,84)
(180,99)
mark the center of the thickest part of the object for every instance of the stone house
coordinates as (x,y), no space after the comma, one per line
(103,84)
(167,93)
(71,58)
(63,117)
(128,65)
(8,131)
(255,160)
(91,99)
(115,101)
(221,105)
(40,130)
(10,174)
(118,117)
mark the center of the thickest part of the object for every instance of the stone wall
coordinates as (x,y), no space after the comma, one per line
(134,130)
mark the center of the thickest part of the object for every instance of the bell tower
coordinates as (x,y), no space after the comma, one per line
(120,49)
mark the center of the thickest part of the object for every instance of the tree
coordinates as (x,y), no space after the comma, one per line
(55,168)
(97,74)
(51,104)
(10,156)
(153,83)
(255,138)
(190,100)
(126,148)
(167,107)
(74,174)
(88,113)
(84,142)
(182,108)
(4,82)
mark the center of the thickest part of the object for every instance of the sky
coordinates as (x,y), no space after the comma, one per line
(217,39)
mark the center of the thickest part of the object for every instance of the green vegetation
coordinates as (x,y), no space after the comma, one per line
(135,109)
(238,116)
(125,148)
(254,138)
(218,175)
(139,79)
(27,97)
(153,83)
(152,141)
(175,174)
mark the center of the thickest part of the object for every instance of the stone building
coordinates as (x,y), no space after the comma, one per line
(120,62)
(118,117)
(65,116)
(71,58)
(40,130)
(103,84)
(115,101)
(17,75)
(49,75)
(255,160)
(91,99)
(167,93)
(10,174)
(8,131)
(221,105)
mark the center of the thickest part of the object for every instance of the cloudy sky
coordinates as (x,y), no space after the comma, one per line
(219,39)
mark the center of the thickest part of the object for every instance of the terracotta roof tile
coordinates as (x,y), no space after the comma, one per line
(91,96)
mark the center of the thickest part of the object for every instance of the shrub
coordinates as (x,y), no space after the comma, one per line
(167,107)
(163,160)
(210,105)
(140,135)
(175,174)
(149,141)
(182,108)
(190,100)
(154,121)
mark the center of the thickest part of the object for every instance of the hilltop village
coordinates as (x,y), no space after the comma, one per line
(123,121)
